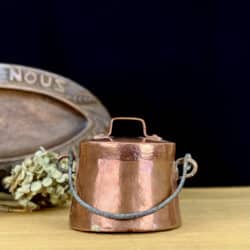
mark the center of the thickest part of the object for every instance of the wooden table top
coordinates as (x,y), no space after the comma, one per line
(213,218)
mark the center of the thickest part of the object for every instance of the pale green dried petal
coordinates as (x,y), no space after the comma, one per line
(52,166)
(59,190)
(25,188)
(50,169)
(38,169)
(47,181)
(28,178)
(46,160)
(51,190)
(18,194)
(23,165)
(16,169)
(23,202)
(54,200)
(7,181)
(29,204)
(62,179)
(64,164)
(56,174)
(27,162)
(29,196)
(36,186)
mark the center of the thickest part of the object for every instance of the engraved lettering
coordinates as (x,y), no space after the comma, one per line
(46,81)
(30,77)
(59,85)
(16,75)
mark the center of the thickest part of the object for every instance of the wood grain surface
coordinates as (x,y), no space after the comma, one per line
(213,218)
(40,108)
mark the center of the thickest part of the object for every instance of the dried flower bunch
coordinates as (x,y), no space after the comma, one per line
(37,182)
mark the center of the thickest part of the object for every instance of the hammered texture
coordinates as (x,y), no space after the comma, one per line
(122,176)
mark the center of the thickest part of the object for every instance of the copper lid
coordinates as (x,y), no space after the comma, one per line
(122,148)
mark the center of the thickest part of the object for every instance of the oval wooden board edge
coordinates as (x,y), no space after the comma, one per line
(63,89)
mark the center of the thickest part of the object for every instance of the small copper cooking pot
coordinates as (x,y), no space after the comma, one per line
(127,184)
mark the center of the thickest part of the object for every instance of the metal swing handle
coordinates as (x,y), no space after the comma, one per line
(188,163)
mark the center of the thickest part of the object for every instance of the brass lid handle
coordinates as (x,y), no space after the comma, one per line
(144,127)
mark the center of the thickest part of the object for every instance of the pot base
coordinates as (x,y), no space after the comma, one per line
(97,229)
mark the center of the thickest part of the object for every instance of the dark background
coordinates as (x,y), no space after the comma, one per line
(181,65)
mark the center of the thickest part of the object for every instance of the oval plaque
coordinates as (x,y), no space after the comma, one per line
(40,108)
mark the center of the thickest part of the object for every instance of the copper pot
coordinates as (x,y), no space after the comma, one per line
(127,184)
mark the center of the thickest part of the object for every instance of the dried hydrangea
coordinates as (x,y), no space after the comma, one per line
(37,182)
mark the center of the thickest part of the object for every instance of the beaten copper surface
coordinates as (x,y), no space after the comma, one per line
(39,108)
(125,175)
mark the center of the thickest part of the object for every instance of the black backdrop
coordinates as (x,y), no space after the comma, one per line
(181,65)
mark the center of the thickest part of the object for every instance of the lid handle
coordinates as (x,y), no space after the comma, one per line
(144,127)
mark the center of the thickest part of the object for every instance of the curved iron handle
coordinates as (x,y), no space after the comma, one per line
(127,216)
